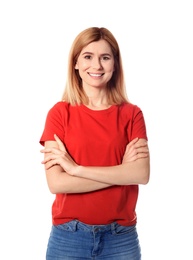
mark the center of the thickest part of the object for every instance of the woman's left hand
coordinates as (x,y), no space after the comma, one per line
(59,156)
(136,149)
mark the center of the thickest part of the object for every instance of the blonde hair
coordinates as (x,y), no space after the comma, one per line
(116,91)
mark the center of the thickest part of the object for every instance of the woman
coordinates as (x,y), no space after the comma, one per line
(95,156)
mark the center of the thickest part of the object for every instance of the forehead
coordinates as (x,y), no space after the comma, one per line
(100,46)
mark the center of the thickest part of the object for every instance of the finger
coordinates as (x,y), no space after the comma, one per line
(49,158)
(135,148)
(52,150)
(141,155)
(60,143)
(130,144)
(49,164)
(138,145)
(135,157)
(133,141)
(49,150)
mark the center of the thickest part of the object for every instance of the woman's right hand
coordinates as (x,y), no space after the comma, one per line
(136,149)
(59,156)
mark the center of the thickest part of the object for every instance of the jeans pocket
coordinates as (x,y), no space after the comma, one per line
(68,226)
(121,230)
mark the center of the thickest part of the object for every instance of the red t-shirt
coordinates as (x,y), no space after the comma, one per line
(96,138)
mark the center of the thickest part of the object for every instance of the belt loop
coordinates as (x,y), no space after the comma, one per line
(113,227)
(74,224)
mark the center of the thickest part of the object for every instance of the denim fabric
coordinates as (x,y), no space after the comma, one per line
(76,240)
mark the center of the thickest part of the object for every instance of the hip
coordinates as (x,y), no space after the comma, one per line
(77,240)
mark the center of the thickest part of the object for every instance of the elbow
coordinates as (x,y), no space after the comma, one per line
(55,188)
(145,173)
(145,181)
(57,191)
(52,189)
(55,183)
(58,188)
(145,177)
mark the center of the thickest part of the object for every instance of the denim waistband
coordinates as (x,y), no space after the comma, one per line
(78,225)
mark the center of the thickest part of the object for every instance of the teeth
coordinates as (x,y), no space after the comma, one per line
(95,75)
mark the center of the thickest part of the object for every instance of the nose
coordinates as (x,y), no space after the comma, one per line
(96,63)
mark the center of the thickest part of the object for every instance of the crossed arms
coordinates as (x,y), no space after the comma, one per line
(64,175)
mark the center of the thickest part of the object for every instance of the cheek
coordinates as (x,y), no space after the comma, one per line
(110,69)
(83,65)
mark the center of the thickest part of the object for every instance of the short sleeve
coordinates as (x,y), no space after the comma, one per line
(54,124)
(138,128)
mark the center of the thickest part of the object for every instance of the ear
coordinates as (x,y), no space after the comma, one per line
(76,66)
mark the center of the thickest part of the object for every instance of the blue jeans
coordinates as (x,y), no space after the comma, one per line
(76,240)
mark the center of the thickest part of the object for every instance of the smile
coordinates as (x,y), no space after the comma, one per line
(96,75)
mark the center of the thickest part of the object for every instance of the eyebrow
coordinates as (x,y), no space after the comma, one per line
(91,53)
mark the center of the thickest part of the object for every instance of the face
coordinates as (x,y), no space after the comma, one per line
(95,64)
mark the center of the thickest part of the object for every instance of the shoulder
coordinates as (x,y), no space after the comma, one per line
(134,115)
(130,109)
(58,111)
(59,107)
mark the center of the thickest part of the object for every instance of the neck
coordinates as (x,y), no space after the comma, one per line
(98,106)
(97,99)
(98,102)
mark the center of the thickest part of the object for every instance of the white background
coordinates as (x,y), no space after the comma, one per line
(156,41)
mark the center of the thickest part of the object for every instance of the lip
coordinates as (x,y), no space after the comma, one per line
(95,74)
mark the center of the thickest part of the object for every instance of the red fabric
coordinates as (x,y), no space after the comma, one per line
(96,138)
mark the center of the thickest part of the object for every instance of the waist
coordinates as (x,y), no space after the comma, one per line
(113,227)
(94,228)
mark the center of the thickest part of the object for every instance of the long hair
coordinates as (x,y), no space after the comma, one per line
(116,91)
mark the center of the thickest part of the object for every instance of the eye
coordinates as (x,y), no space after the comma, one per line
(105,58)
(87,57)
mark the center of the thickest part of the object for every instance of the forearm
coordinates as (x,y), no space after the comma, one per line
(135,169)
(61,182)
(136,172)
